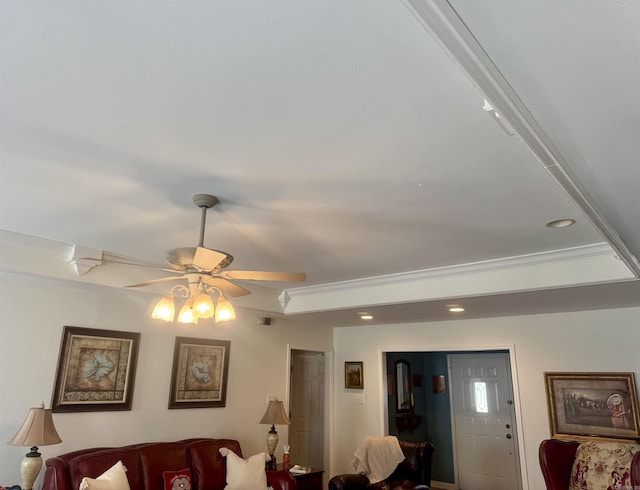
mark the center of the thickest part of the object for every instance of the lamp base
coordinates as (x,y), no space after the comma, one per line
(30,468)
(271,465)
(272,443)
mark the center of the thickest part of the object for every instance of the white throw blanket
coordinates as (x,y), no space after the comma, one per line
(377,457)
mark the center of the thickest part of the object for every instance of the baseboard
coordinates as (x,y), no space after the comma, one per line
(444,486)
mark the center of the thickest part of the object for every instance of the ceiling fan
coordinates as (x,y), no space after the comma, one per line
(205,266)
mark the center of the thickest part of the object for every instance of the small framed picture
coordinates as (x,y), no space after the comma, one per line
(353,375)
(96,370)
(592,405)
(439,384)
(200,372)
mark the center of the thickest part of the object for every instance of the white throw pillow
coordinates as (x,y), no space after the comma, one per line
(115,478)
(247,474)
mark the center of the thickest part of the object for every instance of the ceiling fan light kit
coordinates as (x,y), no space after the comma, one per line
(195,308)
(203,268)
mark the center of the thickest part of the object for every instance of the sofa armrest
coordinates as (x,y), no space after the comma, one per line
(56,475)
(556,460)
(281,480)
(348,482)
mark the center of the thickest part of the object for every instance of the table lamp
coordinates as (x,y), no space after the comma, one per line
(36,430)
(275,414)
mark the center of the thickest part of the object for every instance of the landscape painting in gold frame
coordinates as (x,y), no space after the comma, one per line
(592,406)
(354,375)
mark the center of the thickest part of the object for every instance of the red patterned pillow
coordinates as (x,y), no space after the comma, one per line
(177,480)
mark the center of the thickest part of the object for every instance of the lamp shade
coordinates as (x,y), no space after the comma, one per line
(224,310)
(165,309)
(275,414)
(186,315)
(203,305)
(37,429)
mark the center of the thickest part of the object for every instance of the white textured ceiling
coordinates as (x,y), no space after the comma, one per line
(342,139)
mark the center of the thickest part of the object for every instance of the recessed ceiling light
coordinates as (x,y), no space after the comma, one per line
(365,316)
(561,223)
(455,308)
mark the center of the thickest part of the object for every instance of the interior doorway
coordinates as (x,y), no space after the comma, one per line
(433,416)
(307,408)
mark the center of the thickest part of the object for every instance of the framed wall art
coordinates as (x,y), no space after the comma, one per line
(96,370)
(592,405)
(199,375)
(439,384)
(353,375)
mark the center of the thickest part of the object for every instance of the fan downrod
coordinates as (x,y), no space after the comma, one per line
(205,200)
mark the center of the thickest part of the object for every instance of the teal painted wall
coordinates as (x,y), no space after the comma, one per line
(433,408)
(438,417)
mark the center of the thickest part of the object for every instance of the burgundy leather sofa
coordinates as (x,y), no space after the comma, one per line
(146,462)
(556,460)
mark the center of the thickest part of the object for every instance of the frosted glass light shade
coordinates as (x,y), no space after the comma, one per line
(186,315)
(165,309)
(203,306)
(224,310)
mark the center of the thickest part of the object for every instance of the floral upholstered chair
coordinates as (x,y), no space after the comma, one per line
(590,465)
(603,465)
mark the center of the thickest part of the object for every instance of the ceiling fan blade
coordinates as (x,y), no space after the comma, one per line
(155,281)
(123,262)
(263,276)
(225,286)
(206,259)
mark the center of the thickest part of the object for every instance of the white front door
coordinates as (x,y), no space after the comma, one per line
(484,422)
(306,406)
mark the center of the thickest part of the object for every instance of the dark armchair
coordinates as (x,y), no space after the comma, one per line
(413,471)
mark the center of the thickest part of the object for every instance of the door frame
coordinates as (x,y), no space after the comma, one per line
(328,400)
(510,348)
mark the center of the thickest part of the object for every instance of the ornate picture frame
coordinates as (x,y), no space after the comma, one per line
(354,375)
(592,406)
(95,371)
(200,372)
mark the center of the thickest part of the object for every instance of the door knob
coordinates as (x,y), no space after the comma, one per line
(508,436)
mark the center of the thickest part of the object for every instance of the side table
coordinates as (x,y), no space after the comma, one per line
(312,480)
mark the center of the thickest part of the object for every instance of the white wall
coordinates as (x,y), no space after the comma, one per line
(605,340)
(30,337)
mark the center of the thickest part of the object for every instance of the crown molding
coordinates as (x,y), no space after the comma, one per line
(442,22)
(588,264)
(36,244)
(563,255)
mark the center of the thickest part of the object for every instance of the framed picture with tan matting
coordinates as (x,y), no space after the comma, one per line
(200,373)
(96,370)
